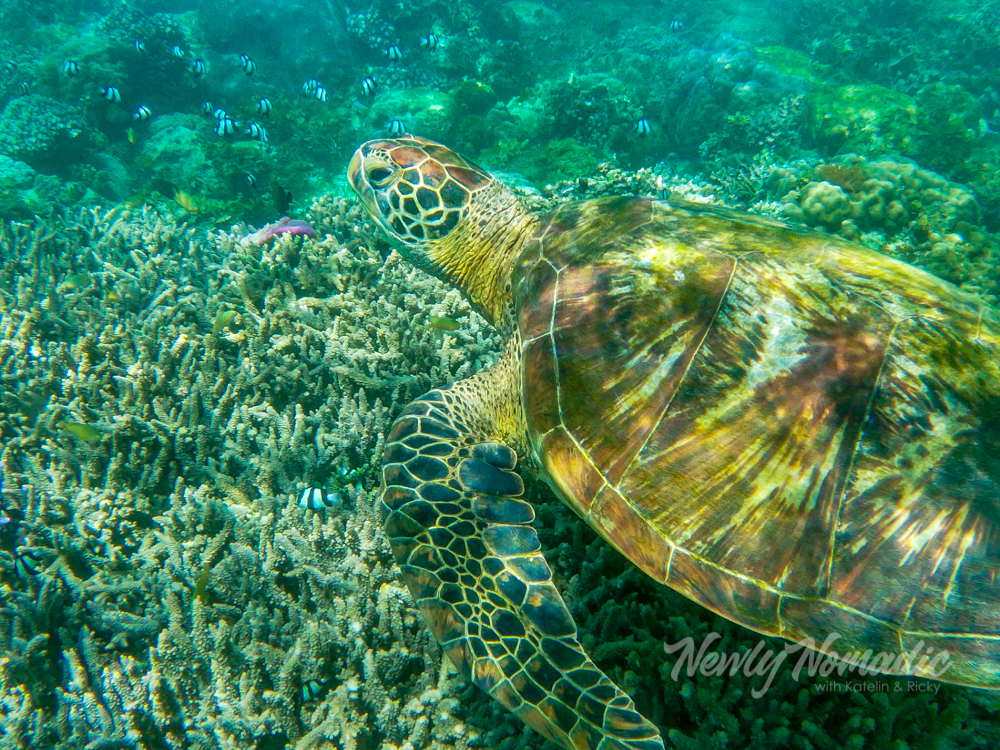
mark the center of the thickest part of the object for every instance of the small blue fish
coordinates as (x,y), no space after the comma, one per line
(251,179)
(140,47)
(111,94)
(676,25)
(198,68)
(310,86)
(143,113)
(320,94)
(206,108)
(71,68)
(177,51)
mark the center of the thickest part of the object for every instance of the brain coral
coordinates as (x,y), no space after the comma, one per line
(882,195)
(898,208)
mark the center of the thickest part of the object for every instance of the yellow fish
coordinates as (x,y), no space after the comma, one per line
(80,431)
(131,135)
(77,281)
(444,324)
(222,320)
(185,201)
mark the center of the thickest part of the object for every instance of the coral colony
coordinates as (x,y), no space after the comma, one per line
(204,340)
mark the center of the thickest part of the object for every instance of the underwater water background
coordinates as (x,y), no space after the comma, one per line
(169,392)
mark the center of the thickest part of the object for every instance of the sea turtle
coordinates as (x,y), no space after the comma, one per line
(798,433)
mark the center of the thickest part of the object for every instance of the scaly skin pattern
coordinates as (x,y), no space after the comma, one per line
(798,433)
(473,564)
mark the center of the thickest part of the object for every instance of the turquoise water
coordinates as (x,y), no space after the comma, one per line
(195,400)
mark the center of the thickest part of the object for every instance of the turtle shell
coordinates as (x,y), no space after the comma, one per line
(798,433)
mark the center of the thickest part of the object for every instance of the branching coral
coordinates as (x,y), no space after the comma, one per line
(166,396)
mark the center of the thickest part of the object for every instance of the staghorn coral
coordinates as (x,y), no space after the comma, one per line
(183,600)
(152,444)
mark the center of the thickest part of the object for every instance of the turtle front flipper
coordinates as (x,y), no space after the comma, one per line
(473,564)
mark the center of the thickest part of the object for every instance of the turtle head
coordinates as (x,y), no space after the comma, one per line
(443,212)
(418,191)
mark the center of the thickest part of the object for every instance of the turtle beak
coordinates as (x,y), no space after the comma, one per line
(354,173)
(366,193)
(358,182)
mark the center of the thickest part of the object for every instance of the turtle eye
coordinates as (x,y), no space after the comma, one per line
(379,176)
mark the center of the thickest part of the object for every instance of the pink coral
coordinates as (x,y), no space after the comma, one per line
(284,226)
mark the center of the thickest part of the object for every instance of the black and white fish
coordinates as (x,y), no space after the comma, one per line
(219,113)
(225,126)
(312,690)
(310,86)
(111,94)
(317,498)
(642,127)
(143,113)
(25,562)
(206,108)
(140,46)
(177,51)
(430,41)
(320,93)
(264,107)
(256,130)
(10,66)
(198,68)
(676,25)
(397,128)
(25,88)
(393,53)
(251,179)
(248,65)
(71,68)
(368,86)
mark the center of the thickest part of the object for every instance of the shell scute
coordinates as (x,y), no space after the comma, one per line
(798,433)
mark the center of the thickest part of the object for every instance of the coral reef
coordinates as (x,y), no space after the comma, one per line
(166,395)
(896,207)
(41,131)
(178,149)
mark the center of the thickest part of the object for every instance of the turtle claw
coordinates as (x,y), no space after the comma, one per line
(483,476)
(496,454)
